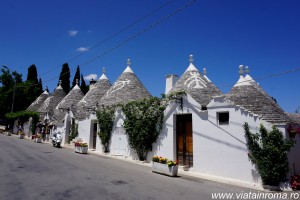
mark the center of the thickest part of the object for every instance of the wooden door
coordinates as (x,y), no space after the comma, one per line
(184,135)
(94,135)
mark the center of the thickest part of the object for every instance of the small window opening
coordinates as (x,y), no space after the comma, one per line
(223,118)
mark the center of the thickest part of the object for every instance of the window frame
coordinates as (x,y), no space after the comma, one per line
(223,123)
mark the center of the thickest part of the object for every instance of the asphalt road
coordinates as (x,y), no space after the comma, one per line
(30,171)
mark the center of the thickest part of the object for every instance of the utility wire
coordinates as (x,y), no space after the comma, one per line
(113,35)
(133,36)
(266,77)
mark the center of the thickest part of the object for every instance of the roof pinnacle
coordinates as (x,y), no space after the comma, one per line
(76,81)
(128,62)
(59,82)
(103,70)
(241,71)
(204,71)
(191,59)
(247,70)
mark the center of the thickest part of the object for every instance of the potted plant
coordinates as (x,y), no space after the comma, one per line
(293,129)
(81,147)
(295,182)
(164,166)
(21,135)
(8,133)
(38,138)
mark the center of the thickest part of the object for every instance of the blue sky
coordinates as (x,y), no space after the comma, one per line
(221,34)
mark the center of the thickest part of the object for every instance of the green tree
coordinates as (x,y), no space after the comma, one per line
(143,124)
(11,82)
(268,151)
(40,86)
(33,84)
(76,77)
(65,77)
(83,86)
(106,117)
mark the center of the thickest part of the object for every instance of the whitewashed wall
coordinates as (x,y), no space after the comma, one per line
(119,140)
(218,150)
(85,132)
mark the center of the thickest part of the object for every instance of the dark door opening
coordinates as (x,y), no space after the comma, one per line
(184,137)
(94,135)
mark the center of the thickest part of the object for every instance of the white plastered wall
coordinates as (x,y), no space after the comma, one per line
(218,150)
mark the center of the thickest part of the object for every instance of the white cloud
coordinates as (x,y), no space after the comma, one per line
(90,77)
(82,49)
(73,33)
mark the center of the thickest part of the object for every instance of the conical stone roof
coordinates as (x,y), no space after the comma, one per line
(127,88)
(51,102)
(197,85)
(92,97)
(249,95)
(38,102)
(71,100)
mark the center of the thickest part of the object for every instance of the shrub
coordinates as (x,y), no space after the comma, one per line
(268,152)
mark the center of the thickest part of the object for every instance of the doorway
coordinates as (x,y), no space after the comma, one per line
(184,135)
(94,134)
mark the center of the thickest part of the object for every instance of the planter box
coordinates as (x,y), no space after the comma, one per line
(21,136)
(164,169)
(38,140)
(82,150)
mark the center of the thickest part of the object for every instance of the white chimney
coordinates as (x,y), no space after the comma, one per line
(171,79)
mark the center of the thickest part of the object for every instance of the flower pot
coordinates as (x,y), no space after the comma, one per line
(164,169)
(37,140)
(82,150)
(21,136)
(8,133)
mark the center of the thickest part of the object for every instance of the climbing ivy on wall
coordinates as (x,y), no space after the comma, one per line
(143,123)
(106,117)
(23,116)
(73,131)
(268,152)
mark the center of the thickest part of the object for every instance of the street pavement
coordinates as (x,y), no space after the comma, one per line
(38,171)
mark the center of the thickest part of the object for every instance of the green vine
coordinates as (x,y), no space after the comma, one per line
(143,123)
(73,131)
(268,152)
(106,117)
(23,116)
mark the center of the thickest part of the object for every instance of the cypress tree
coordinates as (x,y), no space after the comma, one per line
(32,74)
(83,86)
(32,81)
(65,78)
(76,77)
(40,86)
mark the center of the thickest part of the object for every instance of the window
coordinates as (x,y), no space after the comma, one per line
(223,118)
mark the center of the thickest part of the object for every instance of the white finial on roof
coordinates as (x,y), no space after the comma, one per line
(128,69)
(103,76)
(248,77)
(59,85)
(247,70)
(242,81)
(76,81)
(191,66)
(128,62)
(204,71)
(241,71)
(191,59)
(204,74)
